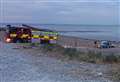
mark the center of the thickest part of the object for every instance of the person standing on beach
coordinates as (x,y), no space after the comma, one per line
(96,44)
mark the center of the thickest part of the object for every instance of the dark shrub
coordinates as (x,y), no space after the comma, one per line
(111,58)
(71,53)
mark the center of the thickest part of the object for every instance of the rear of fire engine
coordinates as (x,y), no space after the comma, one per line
(44,37)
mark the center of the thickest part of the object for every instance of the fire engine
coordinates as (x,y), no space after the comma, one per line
(28,34)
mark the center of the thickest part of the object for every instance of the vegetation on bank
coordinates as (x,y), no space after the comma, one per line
(114,73)
(89,56)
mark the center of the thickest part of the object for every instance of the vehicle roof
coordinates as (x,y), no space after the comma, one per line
(104,41)
(30,27)
(14,27)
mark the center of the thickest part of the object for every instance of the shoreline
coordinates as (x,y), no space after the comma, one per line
(90,38)
(81,42)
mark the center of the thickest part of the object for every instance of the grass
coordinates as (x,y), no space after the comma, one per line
(74,54)
(111,58)
(115,72)
(90,56)
(70,53)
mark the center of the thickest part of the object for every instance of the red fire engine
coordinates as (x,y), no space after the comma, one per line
(18,34)
(27,34)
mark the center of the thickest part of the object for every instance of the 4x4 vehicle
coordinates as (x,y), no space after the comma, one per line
(106,44)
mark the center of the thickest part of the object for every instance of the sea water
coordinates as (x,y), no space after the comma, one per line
(100,32)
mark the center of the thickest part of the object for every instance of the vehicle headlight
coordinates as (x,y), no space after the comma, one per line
(8,40)
(55,37)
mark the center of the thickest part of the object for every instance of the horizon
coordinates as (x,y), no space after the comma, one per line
(63,24)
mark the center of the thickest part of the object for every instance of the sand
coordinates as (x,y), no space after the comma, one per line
(81,42)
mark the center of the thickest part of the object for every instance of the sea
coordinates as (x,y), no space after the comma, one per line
(98,32)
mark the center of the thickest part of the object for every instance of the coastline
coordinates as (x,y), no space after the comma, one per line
(73,41)
(81,42)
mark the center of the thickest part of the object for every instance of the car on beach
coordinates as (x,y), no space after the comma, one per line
(105,44)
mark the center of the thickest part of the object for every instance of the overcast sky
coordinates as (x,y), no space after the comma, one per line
(104,12)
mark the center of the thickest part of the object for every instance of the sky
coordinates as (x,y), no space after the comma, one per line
(102,12)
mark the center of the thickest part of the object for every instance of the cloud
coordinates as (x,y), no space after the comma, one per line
(60,11)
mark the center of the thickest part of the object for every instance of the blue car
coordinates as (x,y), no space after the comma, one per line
(105,44)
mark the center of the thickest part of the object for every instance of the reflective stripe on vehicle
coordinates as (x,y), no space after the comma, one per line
(13,35)
(24,36)
(35,36)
